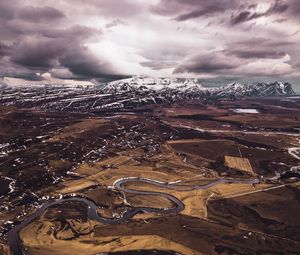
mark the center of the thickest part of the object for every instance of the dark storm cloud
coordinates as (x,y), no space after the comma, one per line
(246,15)
(39,14)
(38,52)
(5,49)
(206,11)
(268,43)
(295,7)
(43,49)
(158,65)
(206,63)
(38,47)
(7,9)
(38,38)
(190,9)
(237,63)
(8,68)
(203,67)
(234,11)
(78,33)
(23,75)
(105,38)
(75,33)
(82,62)
(257,53)
(278,7)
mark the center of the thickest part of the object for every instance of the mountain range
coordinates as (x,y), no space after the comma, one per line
(128,93)
(192,87)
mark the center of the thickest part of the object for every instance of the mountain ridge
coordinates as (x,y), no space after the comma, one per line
(160,85)
(133,92)
(190,86)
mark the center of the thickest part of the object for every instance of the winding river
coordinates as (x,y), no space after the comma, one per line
(15,242)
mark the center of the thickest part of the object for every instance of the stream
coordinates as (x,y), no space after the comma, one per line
(15,242)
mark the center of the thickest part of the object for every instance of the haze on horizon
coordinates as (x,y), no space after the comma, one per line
(216,41)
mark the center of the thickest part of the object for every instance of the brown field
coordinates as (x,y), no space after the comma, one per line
(47,155)
(239,163)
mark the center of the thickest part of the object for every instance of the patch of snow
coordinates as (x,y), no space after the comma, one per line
(295,152)
(248,110)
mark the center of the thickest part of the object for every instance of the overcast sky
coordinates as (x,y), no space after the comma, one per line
(214,40)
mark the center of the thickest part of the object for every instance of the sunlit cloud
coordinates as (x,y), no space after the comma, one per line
(111,39)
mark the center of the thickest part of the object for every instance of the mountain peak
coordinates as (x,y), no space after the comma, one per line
(190,86)
(152,84)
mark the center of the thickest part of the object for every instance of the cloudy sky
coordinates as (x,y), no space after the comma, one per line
(214,40)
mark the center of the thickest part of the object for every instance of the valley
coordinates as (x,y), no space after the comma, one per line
(182,176)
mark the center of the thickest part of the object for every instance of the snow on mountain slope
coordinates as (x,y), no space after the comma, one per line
(168,87)
(260,89)
(68,95)
(192,86)
(152,84)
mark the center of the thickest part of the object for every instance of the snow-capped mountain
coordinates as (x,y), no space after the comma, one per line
(127,93)
(152,84)
(277,88)
(192,87)
(162,87)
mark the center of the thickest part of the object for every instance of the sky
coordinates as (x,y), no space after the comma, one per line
(216,41)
